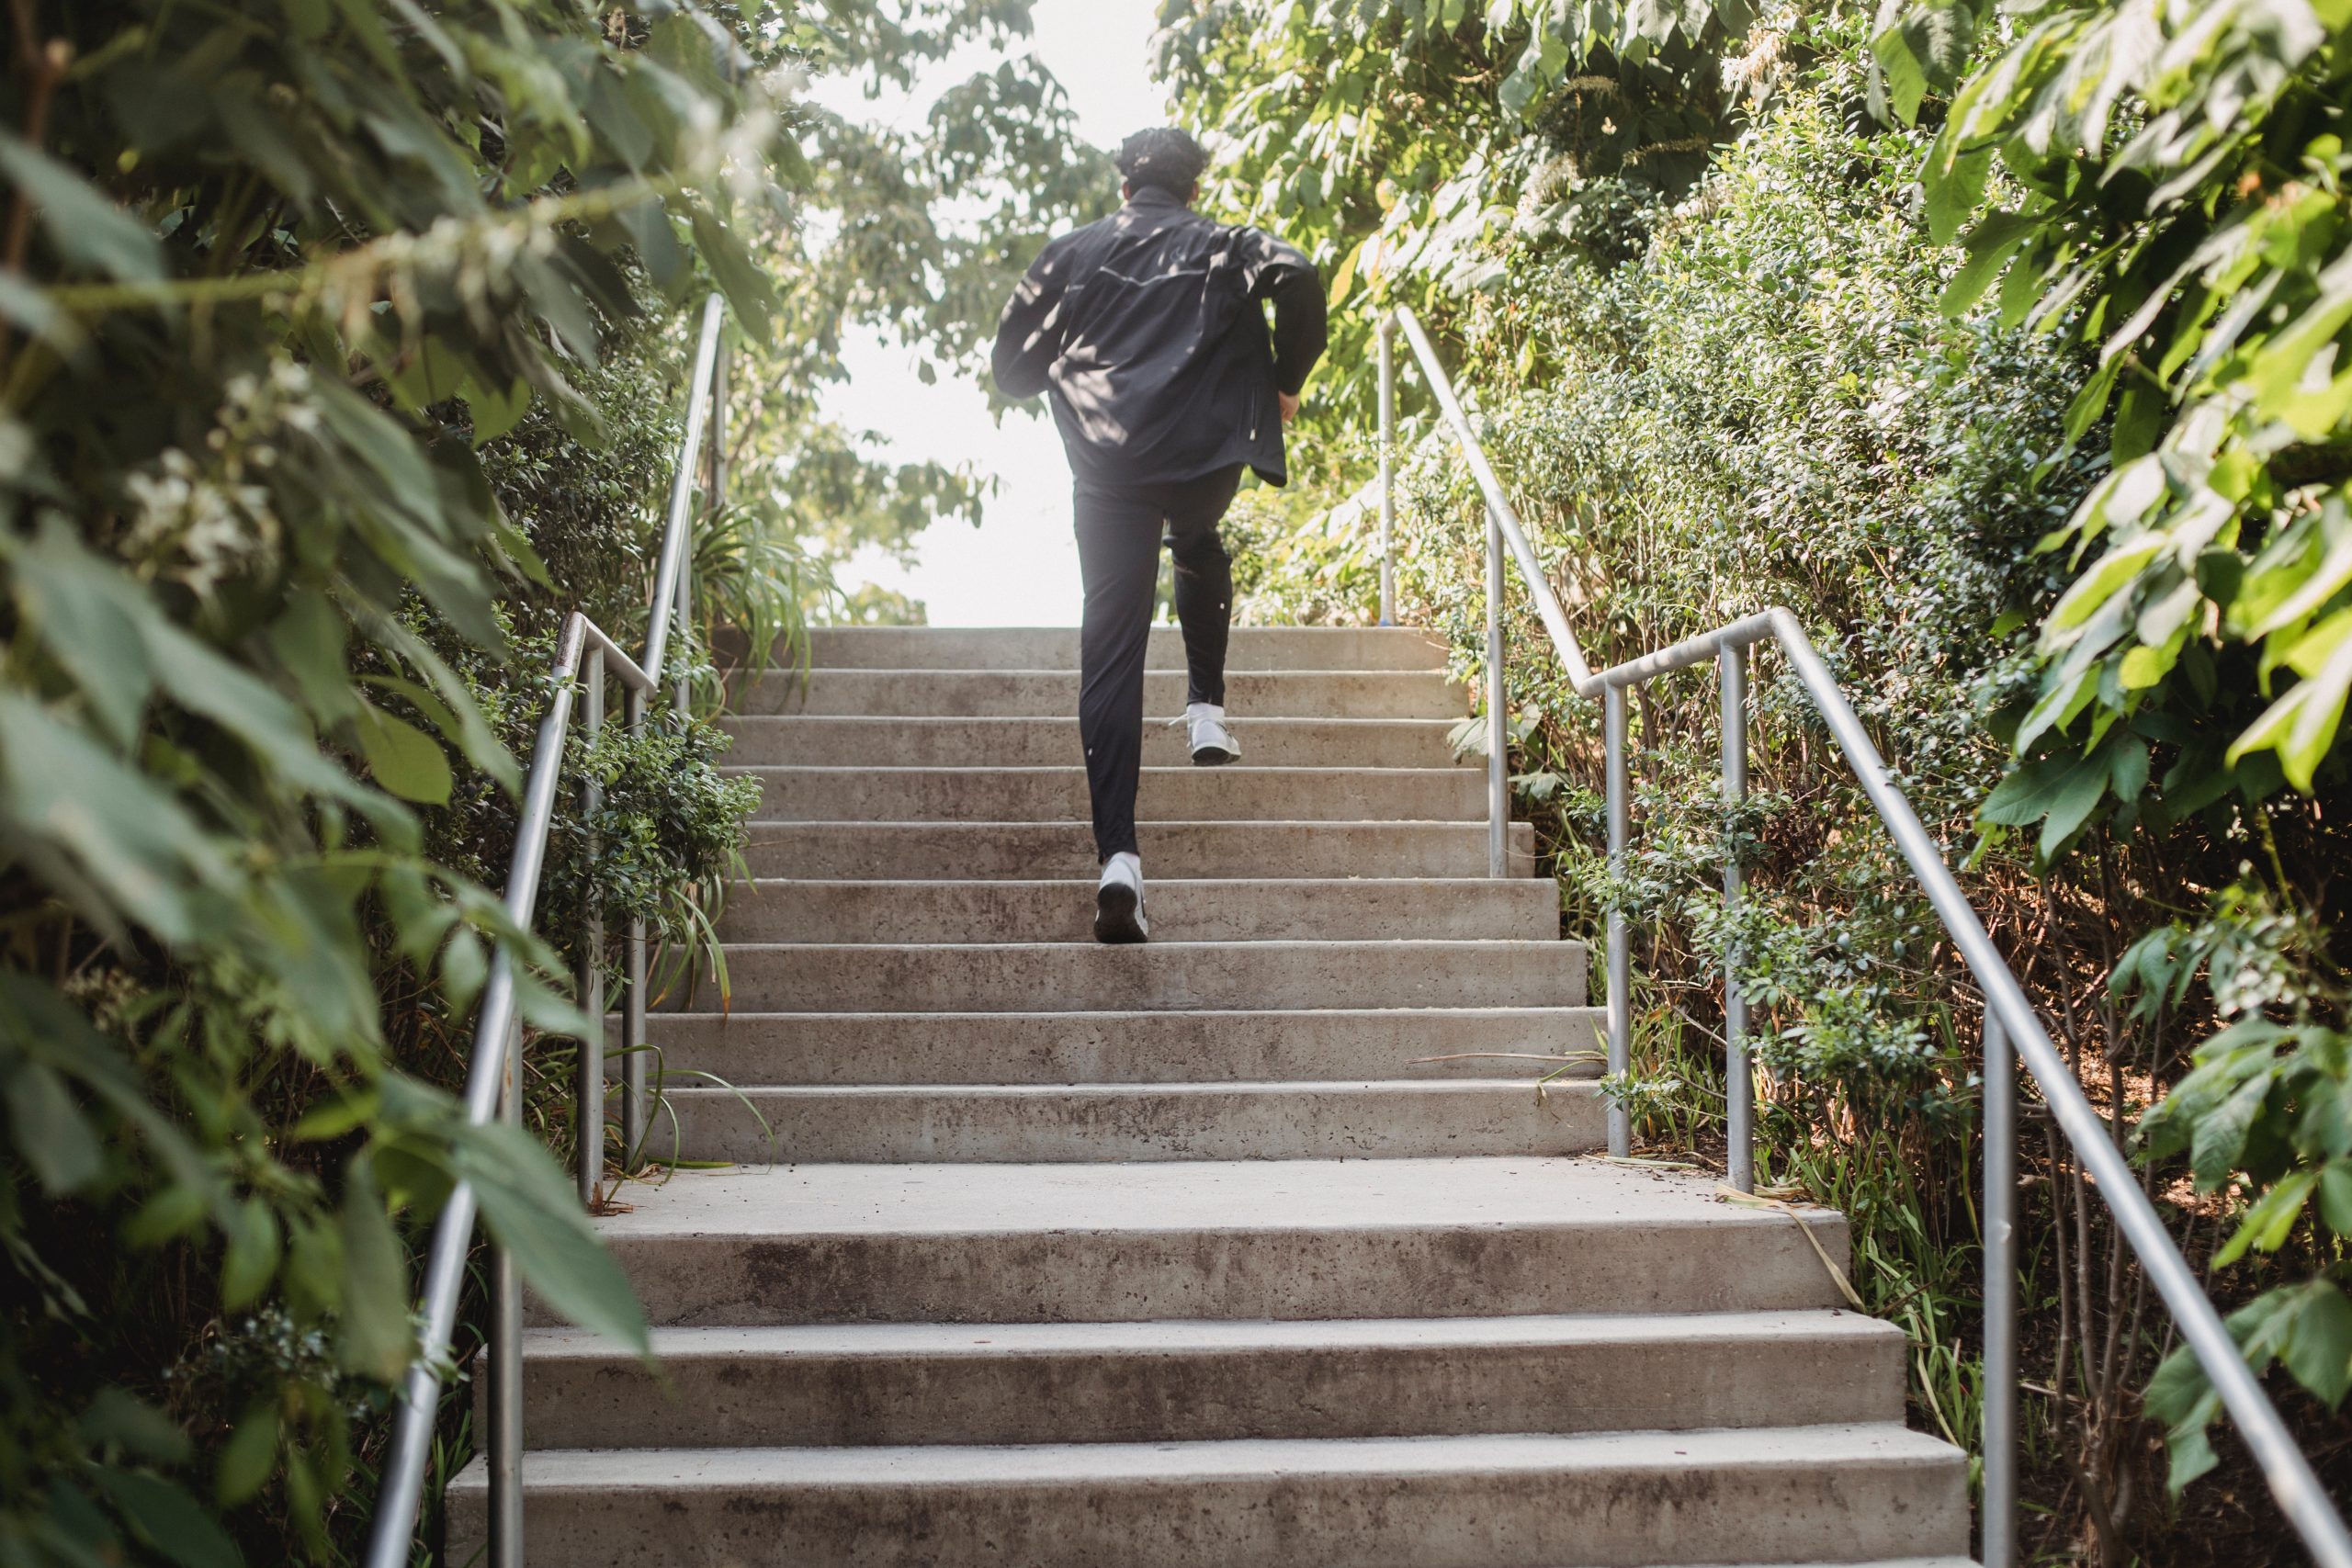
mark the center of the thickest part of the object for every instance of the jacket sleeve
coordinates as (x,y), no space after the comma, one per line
(1029,333)
(1282,273)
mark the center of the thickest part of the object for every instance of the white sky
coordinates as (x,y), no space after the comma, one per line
(1019,566)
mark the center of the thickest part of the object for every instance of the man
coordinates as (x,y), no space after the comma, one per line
(1148,331)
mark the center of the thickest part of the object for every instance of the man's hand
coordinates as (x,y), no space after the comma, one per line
(1290,405)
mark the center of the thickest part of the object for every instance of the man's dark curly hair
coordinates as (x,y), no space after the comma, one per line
(1162,157)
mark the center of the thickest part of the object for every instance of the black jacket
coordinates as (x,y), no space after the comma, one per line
(1147,332)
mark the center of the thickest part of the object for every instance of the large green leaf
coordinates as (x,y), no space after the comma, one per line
(404,759)
(2058,792)
(376,1340)
(128,851)
(531,1211)
(80,222)
(49,1130)
(171,1521)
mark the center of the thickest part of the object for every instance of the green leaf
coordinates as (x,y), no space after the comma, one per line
(2302,725)
(406,760)
(117,844)
(461,725)
(248,1457)
(2335,1196)
(171,1522)
(2270,1220)
(2319,1349)
(532,1210)
(2221,1136)
(120,1417)
(251,1261)
(49,1130)
(495,413)
(308,640)
(82,224)
(374,1338)
(2059,792)
(89,614)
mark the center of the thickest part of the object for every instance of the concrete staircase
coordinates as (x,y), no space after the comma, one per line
(1059,1255)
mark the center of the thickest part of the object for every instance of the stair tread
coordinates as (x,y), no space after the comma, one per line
(1078,1017)
(1269,1087)
(1487,1192)
(1562,1331)
(1798,1447)
(1141,952)
(1077,768)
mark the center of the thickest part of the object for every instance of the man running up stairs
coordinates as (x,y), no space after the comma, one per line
(1258,1246)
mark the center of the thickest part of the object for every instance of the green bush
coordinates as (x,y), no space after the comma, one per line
(310,314)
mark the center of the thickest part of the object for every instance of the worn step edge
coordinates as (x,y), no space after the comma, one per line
(797,793)
(1017,693)
(1044,740)
(1164,1381)
(1246,648)
(1027,1124)
(963,976)
(1338,1045)
(1050,1242)
(1480,1501)
(1194,908)
(1181,847)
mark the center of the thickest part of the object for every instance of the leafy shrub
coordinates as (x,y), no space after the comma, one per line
(2172,197)
(278,274)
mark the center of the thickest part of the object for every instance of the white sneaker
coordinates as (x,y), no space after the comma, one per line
(1118,901)
(1213,743)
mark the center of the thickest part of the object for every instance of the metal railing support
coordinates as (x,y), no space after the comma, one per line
(1998,1547)
(1497,710)
(2020,1038)
(588,1120)
(636,1110)
(1739,1076)
(1621,963)
(506,1355)
(494,1080)
(1388,470)
(487,1081)
(2293,1482)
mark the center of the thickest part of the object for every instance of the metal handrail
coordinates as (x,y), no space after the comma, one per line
(585,655)
(2013,1030)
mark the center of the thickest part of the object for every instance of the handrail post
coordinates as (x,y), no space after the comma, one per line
(1497,710)
(1621,1000)
(588,1120)
(720,364)
(637,1114)
(1998,1547)
(1388,471)
(506,1359)
(1739,1076)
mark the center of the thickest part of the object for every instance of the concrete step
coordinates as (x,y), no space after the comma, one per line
(1058,1243)
(1189,1046)
(1058,795)
(1022,694)
(1800,1494)
(1056,648)
(1235,909)
(853,1123)
(845,741)
(1026,850)
(1090,976)
(1195,1382)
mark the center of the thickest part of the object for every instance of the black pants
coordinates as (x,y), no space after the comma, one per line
(1119,535)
